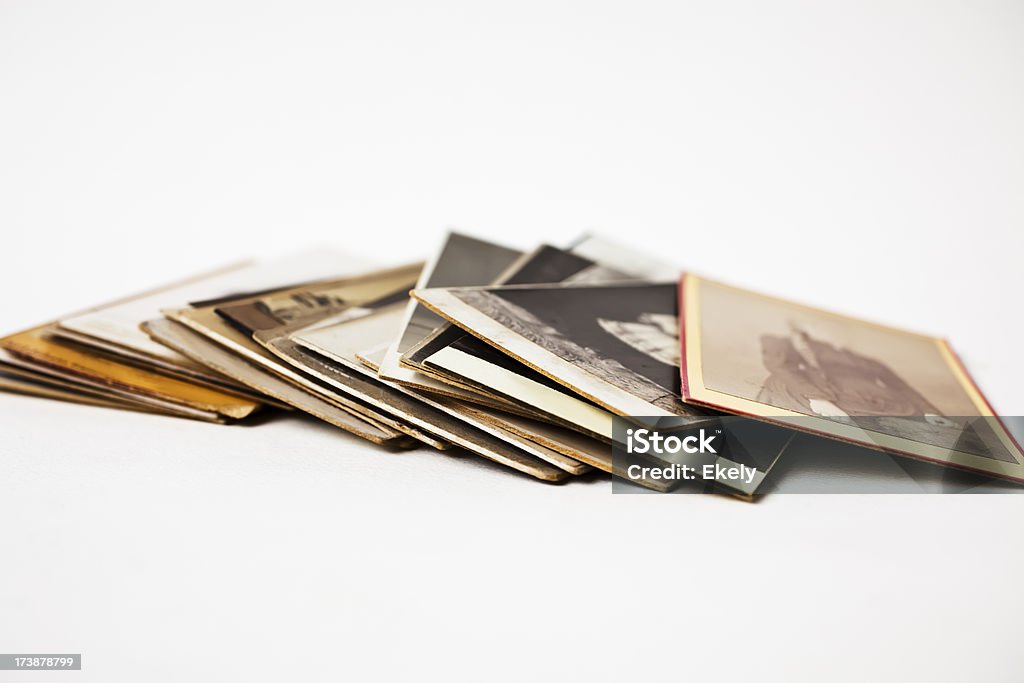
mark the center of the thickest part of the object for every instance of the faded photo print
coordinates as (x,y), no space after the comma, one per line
(795,358)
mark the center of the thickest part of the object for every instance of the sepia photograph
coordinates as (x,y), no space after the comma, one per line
(851,379)
(308,302)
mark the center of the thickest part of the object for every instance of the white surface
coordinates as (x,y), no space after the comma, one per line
(868,157)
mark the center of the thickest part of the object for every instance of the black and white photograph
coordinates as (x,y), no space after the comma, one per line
(456,356)
(546,264)
(461,260)
(606,342)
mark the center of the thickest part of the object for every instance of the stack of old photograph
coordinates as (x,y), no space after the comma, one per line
(537,361)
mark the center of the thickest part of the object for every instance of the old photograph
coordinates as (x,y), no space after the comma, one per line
(851,379)
(551,265)
(614,344)
(461,261)
(320,299)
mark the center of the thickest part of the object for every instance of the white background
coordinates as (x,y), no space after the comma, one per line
(868,157)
